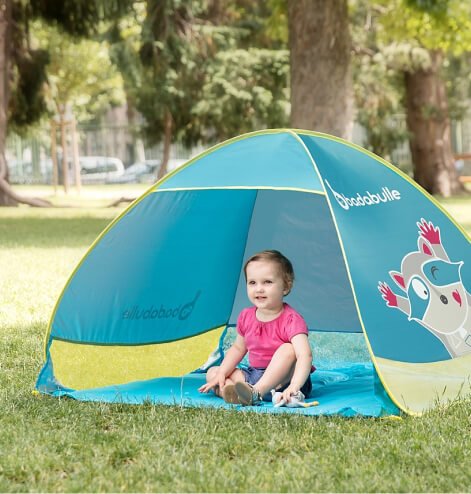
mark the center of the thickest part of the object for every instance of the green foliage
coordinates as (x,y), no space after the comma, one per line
(458,77)
(244,90)
(160,63)
(436,25)
(277,23)
(263,24)
(124,38)
(378,97)
(377,87)
(393,37)
(78,18)
(191,60)
(437,8)
(29,64)
(27,104)
(166,33)
(79,72)
(26,75)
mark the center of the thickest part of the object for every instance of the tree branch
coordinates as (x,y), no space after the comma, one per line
(120,200)
(8,191)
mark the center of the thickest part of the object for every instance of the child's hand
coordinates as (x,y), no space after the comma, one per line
(218,381)
(288,392)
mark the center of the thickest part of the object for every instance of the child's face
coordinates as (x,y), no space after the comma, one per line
(265,285)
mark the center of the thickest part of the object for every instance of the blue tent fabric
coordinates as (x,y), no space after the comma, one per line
(129,282)
(267,160)
(346,391)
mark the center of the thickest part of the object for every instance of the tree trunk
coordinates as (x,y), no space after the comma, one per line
(136,144)
(168,125)
(75,155)
(55,168)
(65,164)
(321,81)
(8,197)
(5,57)
(428,123)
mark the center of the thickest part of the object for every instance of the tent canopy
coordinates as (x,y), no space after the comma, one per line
(372,252)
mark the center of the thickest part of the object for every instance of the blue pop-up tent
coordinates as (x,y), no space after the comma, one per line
(381,269)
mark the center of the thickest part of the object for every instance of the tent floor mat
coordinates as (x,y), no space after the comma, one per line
(353,390)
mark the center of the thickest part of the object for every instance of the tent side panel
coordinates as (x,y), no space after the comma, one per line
(166,271)
(410,267)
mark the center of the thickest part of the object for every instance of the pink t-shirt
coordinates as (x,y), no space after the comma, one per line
(262,339)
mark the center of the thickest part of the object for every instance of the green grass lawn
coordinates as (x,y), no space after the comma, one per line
(51,444)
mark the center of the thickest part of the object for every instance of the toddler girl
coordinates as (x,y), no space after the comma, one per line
(274,335)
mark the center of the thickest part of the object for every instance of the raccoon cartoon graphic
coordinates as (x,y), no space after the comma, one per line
(433,293)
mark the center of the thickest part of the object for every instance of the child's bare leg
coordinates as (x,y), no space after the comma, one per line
(279,371)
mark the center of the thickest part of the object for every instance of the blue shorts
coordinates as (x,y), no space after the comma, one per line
(253,374)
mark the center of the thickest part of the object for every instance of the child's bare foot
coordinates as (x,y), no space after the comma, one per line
(247,394)
(229,394)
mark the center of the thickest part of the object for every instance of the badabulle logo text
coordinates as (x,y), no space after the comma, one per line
(180,312)
(366,198)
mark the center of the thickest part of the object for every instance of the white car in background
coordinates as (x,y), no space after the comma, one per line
(99,169)
(140,172)
(144,172)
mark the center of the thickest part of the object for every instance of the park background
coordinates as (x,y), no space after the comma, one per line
(159,81)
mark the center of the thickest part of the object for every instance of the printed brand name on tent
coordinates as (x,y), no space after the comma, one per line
(182,312)
(367,199)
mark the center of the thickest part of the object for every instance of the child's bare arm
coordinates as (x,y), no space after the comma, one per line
(233,356)
(303,366)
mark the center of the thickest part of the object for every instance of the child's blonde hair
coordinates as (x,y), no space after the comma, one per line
(277,257)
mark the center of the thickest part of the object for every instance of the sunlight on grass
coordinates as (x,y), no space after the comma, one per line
(460,210)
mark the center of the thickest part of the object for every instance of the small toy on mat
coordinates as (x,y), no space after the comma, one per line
(296,401)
